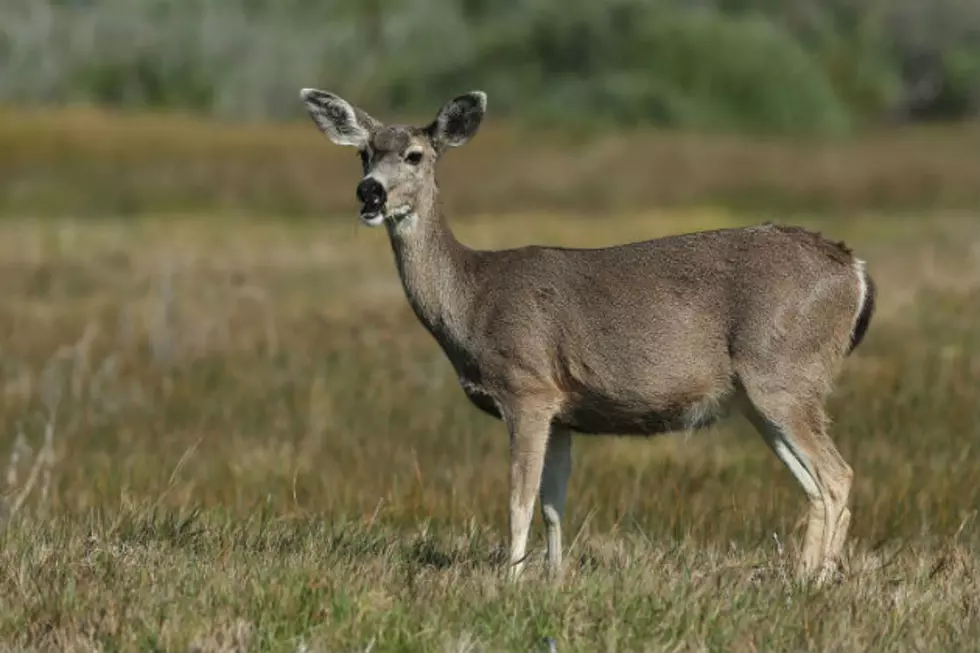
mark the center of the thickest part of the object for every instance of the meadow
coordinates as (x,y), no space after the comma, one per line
(224,430)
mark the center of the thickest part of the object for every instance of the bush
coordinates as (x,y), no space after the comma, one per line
(734,64)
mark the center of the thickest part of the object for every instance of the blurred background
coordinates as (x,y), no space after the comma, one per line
(209,368)
(848,78)
(763,65)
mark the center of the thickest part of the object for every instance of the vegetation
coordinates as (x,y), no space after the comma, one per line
(92,163)
(757,65)
(232,434)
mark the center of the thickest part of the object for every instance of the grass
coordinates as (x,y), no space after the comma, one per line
(89,163)
(256,447)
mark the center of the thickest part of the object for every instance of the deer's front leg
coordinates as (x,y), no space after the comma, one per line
(528,442)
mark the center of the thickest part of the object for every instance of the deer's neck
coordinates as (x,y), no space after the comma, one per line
(437,273)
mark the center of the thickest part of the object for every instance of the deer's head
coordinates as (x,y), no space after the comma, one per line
(398,160)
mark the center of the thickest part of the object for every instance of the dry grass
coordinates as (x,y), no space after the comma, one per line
(256,447)
(87,162)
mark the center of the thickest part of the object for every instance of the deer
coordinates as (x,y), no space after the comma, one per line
(638,339)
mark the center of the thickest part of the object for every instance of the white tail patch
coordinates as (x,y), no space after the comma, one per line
(859,268)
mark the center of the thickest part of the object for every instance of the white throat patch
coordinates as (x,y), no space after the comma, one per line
(401,219)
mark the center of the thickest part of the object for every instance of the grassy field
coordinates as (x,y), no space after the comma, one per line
(252,445)
(85,162)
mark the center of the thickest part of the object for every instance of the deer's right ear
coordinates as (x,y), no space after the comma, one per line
(343,123)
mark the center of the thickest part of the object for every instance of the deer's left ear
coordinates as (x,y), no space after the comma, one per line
(458,120)
(342,122)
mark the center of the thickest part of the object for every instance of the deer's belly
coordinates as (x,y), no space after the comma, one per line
(598,415)
(595,414)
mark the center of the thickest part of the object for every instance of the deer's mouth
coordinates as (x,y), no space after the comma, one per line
(372,217)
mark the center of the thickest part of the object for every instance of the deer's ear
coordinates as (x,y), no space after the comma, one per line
(458,120)
(343,123)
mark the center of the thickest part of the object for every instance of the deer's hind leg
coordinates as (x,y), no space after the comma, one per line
(554,482)
(795,428)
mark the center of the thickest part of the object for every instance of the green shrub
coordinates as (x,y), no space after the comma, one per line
(733,64)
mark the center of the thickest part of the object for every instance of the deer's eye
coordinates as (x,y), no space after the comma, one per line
(414,157)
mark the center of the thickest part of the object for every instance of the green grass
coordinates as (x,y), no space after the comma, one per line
(256,447)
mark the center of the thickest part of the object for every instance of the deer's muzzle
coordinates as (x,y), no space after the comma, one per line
(372,196)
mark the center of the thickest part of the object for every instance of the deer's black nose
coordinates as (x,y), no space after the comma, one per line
(371,193)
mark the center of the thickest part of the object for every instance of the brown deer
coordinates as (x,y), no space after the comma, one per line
(638,339)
